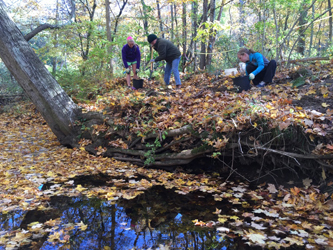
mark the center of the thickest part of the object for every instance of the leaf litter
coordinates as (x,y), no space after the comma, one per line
(269,216)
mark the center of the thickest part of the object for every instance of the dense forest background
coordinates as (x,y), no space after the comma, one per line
(80,41)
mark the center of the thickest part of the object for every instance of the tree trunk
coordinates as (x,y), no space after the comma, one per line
(312,31)
(264,29)
(330,20)
(302,22)
(118,18)
(184,35)
(160,17)
(85,47)
(242,22)
(108,32)
(194,32)
(203,43)
(211,38)
(145,17)
(51,100)
(172,19)
(175,15)
(276,33)
(55,59)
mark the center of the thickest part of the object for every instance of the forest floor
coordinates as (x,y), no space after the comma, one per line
(34,168)
(285,123)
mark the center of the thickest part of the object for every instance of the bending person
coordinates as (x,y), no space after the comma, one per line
(258,68)
(131,58)
(170,53)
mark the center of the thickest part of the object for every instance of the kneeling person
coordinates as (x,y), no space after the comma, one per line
(258,68)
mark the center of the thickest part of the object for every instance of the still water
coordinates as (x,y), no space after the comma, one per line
(157,219)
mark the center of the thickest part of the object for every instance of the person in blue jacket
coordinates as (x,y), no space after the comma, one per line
(258,68)
(131,58)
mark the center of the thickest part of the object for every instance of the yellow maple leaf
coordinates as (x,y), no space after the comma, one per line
(82,226)
(234,217)
(222,220)
(318,229)
(80,188)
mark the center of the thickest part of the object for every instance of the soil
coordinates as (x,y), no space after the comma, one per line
(314,102)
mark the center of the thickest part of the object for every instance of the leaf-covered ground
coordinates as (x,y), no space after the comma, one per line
(207,117)
(270,215)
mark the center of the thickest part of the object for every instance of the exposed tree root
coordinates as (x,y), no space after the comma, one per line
(272,150)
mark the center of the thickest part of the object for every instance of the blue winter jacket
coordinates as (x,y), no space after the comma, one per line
(258,60)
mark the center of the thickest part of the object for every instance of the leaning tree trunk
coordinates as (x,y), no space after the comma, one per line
(51,100)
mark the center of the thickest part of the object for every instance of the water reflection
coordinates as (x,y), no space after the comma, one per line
(159,217)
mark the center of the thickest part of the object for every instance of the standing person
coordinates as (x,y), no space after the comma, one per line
(258,68)
(131,58)
(170,53)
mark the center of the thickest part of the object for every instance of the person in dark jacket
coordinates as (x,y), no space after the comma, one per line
(170,53)
(131,58)
(258,68)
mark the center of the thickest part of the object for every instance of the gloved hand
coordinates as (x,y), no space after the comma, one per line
(251,76)
(137,70)
(127,70)
(152,60)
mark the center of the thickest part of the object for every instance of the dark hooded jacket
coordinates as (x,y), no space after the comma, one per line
(166,50)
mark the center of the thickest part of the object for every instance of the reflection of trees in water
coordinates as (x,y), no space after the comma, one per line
(167,217)
(103,224)
(11,220)
(156,217)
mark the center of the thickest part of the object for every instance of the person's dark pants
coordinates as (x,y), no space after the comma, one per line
(265,75)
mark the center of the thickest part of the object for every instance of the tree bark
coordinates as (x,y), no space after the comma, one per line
(160,17)
(302,22)
(203,43)
(55,59)
(108,31)
(312,31)
(194,32)
(145,18)
(330,20)
(317,58)
(276,33)
(242,22)
(50,99)
(172,18)
(184,35)
(211,38)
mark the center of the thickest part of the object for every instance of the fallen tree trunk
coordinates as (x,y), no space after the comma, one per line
(309,59)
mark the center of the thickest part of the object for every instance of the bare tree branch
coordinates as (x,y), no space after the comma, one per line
(39,29)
